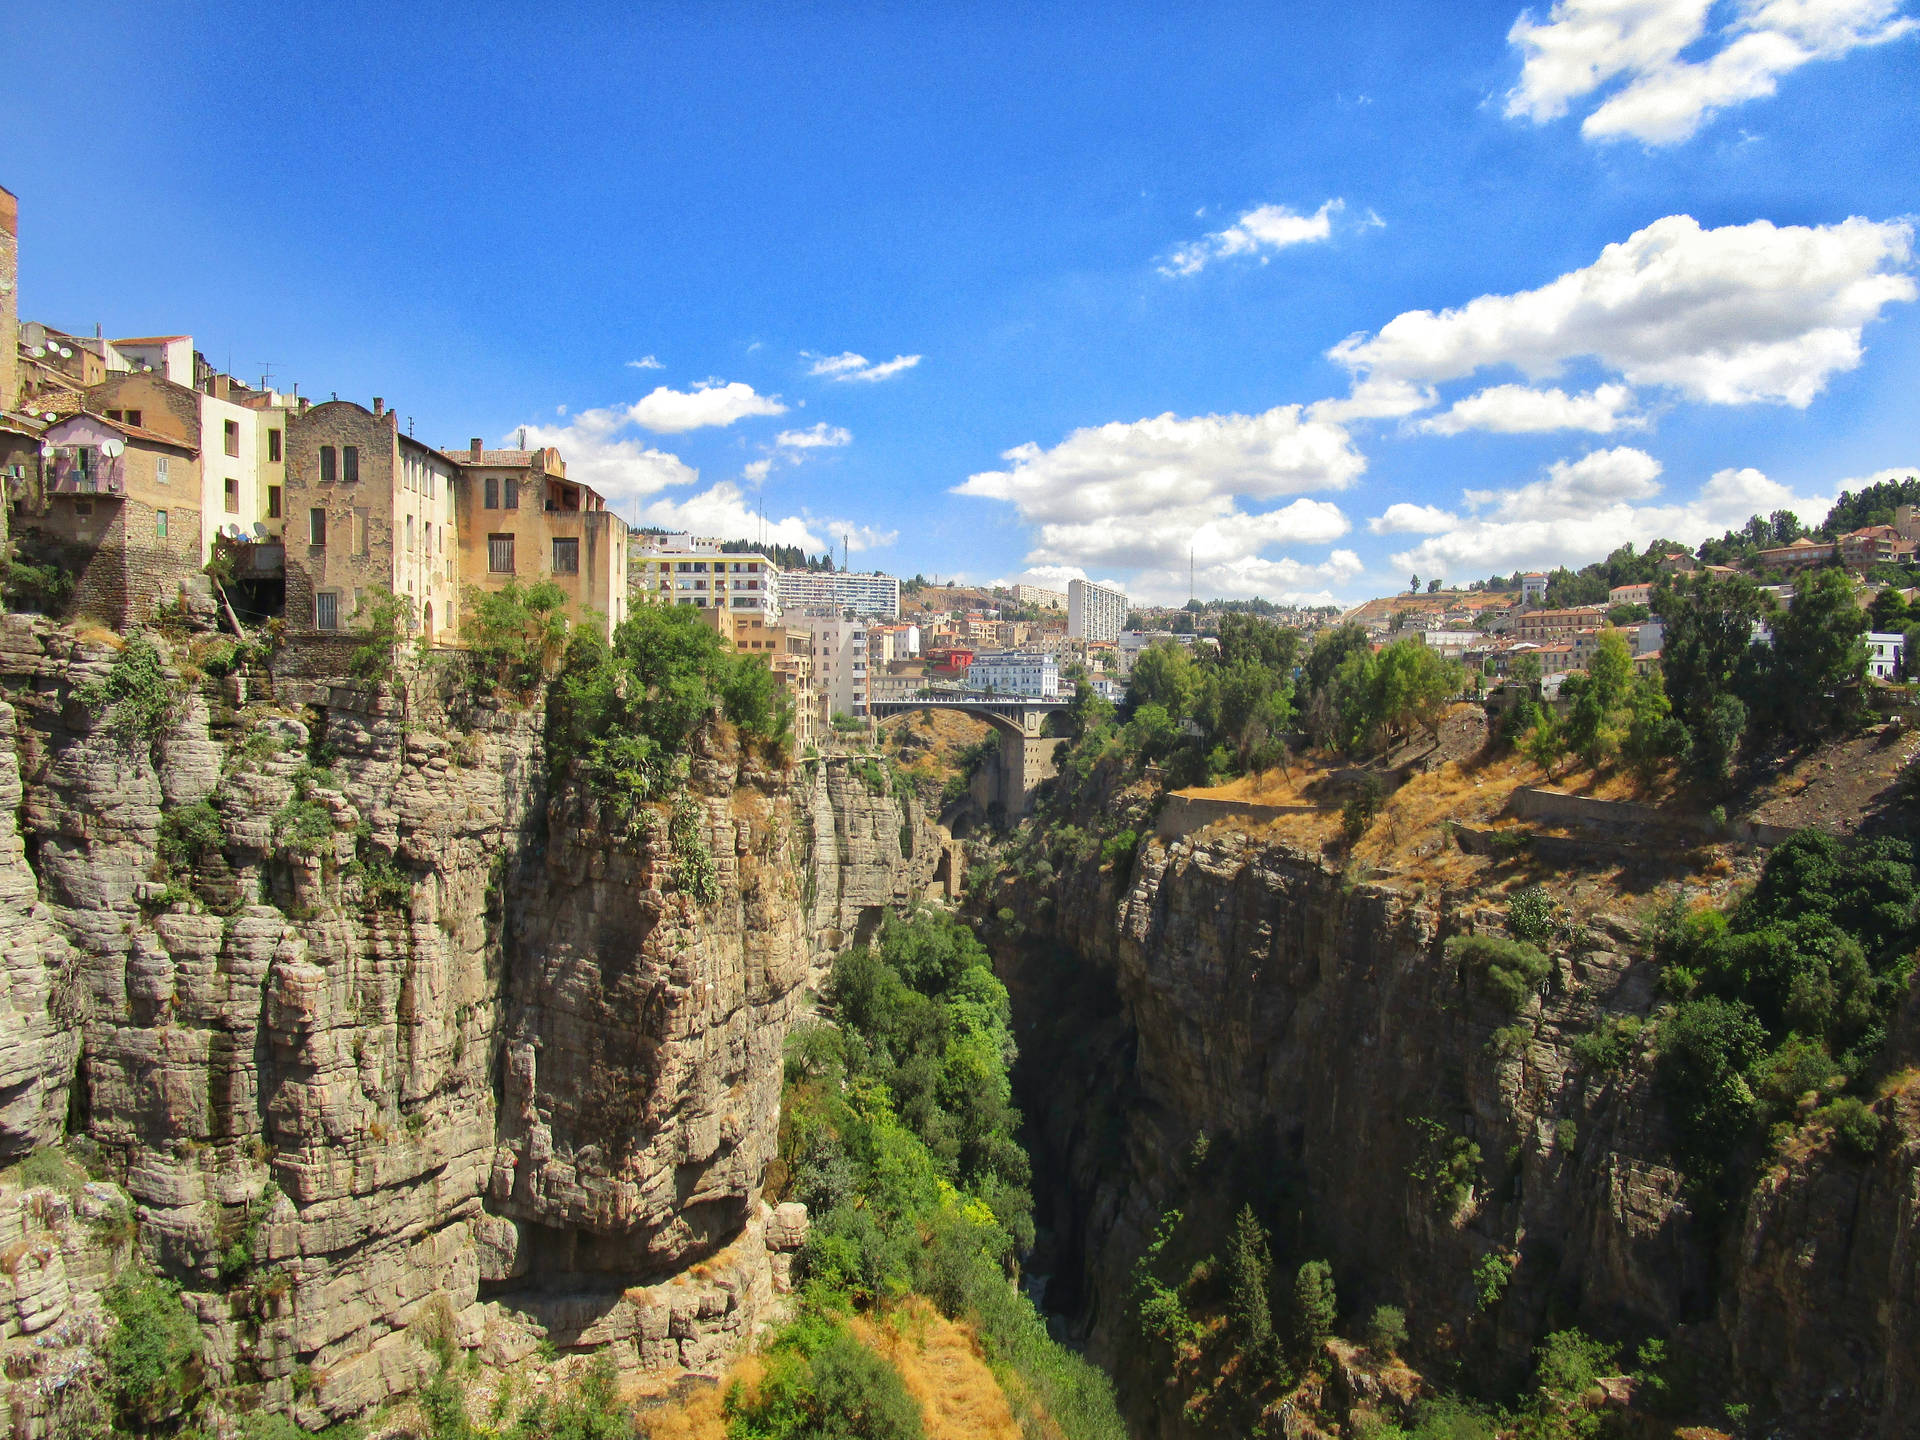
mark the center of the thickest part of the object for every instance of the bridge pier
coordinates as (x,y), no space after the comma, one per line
(1026,756)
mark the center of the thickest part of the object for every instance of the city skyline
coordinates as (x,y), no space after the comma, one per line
(1320,303)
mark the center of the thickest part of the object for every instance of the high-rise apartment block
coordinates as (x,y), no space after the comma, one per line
(876,594)
(1094,611)
(839,658)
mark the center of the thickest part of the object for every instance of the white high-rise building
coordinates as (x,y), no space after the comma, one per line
(695,570)
(874,594)
(839,658)
(1094,611)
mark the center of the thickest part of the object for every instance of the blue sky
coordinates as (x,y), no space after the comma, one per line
(1324,295)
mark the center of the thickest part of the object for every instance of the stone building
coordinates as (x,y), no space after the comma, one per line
(242,446)
(119,510)
(788,650)
(518,517)
(367,508)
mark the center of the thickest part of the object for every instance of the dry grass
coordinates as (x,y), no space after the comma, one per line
(701,1415)
(91,634)
(941,1363)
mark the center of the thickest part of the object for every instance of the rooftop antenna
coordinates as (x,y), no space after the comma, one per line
(266,374)
(523,437)
(409,427)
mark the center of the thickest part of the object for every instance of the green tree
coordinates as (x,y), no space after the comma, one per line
(1653,736)
(1818,653)
(517,634)
(153,1355)
(1315,1305)
(382,623)
(1710,650)
(1165,675)
(1249,1273)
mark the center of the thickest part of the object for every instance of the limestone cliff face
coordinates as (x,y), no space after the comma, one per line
(415,1044)
(1343,1070)
(869,850)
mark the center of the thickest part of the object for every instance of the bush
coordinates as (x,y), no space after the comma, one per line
(1855,1127)
(48,1168)
(1509,970)
(821,1383)
(516,635)
(153,1355)
(190,833)
(1567,1364)
(382,623)
(1386,1330)
(1530,916)
(1490,1277)
(1118,851)
(136,696)
(1608,1045)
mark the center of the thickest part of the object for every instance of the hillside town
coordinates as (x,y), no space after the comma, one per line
(141,478)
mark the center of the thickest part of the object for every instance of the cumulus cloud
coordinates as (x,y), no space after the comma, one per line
(711,402)
(645,362)
(1522,410)
(1146,494)
(849,366)
(1585,508)
(722,511)
(621,467)
(756,470)
(1408,519)
(1733,316)
(814,437)
(1584,46)
(1288,581)
(1260,231)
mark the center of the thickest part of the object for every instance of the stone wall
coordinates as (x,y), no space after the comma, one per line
(122,568)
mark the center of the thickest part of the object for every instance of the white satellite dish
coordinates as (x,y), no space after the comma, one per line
(113,449)
(39,352)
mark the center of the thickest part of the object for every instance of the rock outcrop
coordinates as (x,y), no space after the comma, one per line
(412,1046)
(1233,1019)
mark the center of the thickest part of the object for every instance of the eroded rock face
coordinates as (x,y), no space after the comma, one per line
(1313,1031)
(414,1045)
(870,849)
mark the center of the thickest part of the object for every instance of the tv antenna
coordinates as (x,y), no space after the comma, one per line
(266,374)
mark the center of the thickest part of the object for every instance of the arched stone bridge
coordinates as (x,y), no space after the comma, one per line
(1026,755)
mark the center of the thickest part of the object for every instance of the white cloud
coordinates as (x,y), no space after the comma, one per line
(620,467)
(1147,494)
(815,437)
(1521,410)
(1407,519)
(1258,232)
(645,362)
(1733,316)
(1243,577)
(1586,508)
(711,402)
(756,470)
(849,366)
(1585,45)
(723,512)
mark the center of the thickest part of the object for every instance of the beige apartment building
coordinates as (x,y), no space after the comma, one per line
(367,507)
(789,651)
(519,517)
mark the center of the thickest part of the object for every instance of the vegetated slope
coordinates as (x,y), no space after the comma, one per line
(898,1133)
(1506,1117)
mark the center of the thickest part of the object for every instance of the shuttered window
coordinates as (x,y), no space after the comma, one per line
(327,471)
(316,527)
(350,463)
(500,554)
(566,557)
(326,610)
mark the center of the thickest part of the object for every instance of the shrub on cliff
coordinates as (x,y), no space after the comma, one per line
(136,697)
(517,634)
(1509,970)
(153,1355)
(821,1383)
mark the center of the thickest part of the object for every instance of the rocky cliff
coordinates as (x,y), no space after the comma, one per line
(1231,1020)
(376,1034)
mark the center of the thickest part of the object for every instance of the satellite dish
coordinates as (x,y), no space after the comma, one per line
(39,352)
(113,449)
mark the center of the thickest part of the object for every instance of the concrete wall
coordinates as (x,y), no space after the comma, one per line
(1183,814)
(1554,808)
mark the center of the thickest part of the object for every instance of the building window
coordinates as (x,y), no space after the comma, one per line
(159,524)
(273,447)
(500,554)
(273,502)
(316,527)
(360,530)
(326,465)
(232,435)
(83,508)
(566,557)
(160,476)
(492,501)
(512,496)
(233,496)
(409,533)
(326,610)
(350,464)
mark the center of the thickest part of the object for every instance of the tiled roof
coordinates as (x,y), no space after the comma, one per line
(134,432)
(513,459)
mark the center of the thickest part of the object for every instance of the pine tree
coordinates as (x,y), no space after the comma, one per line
(1315,1305)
